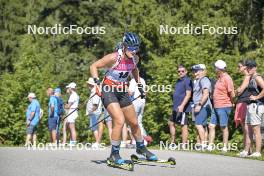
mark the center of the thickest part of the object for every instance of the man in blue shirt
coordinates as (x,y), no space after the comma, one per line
(53,115)
(57,93)
(32,117)
(181,105)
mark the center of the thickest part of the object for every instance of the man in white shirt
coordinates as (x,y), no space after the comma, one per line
(72,107)
(94,111)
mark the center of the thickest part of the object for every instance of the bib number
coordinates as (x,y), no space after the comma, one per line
(123,74)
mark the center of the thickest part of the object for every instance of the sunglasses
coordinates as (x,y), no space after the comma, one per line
(195,71)
(181,71)
(133,49)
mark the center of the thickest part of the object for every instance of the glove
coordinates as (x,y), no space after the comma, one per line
(97,81)
(97,87)
(140,89)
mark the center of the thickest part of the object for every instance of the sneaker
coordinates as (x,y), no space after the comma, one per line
(95,146)
(72,144)
(255,155)
(243,154)
(115,157)
(146,153)
(210,148)
(28,144)
(123,144)
(184,146)
(224,149)
(133,142)
(204,147)
(198,147)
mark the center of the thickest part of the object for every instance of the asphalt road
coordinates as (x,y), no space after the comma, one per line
(17,161)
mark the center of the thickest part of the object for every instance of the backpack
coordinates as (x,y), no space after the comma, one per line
(60,106)
(255,85)
(211,93)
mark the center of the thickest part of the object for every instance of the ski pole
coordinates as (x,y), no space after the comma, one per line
(78,107)
(108,116)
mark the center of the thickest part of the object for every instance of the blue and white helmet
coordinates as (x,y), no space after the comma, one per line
(132,41)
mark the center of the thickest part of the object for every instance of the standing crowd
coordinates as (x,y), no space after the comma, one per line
(209,102)
(204,101)
(65,114)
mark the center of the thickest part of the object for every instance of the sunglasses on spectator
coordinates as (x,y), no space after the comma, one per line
(195,71)
(181,71)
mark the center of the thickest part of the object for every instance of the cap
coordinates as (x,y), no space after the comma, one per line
(251,63)
(90,81)
(220,64)
(57,90)
(72,85)
(31,95)
(198,67)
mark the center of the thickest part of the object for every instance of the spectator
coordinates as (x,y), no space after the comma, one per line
(53,115)
(138,103)
(72,106)
(64,129)
(181,105)
(255,112)
(94,110)
(201,100)
(223,102)
(241,106)
(57,93)
(33,117)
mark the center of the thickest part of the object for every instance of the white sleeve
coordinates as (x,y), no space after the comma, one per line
(142,81)
(72,98)
(96,100)
(132,85)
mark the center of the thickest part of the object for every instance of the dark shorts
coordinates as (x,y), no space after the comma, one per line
(113,95)
(31,129)
(180,118)
(52,124)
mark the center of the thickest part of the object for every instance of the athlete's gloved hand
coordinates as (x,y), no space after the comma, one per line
(140,89)
(97,87)
(96,81)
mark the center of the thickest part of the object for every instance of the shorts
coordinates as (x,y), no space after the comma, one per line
(94,118)
(71,118)
(255,114)
(32,129)
(221,115)
(240,114)
(201,117)
(114,95)
(180,118)
(52,123)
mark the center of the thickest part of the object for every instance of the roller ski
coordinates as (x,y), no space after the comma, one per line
(136,159)
(149,157)
(115,161)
